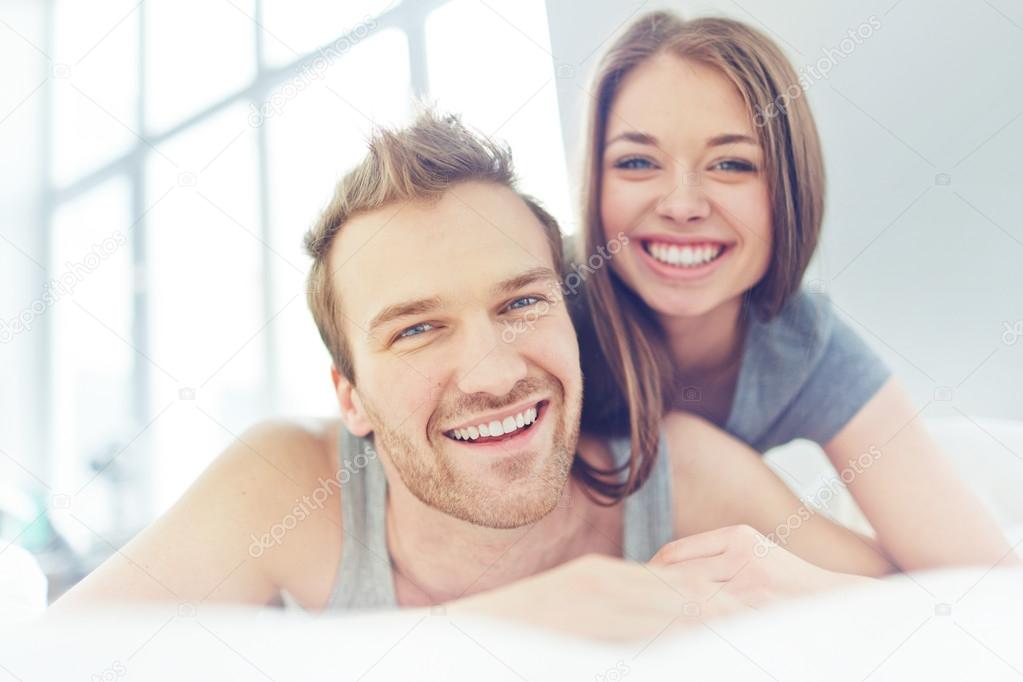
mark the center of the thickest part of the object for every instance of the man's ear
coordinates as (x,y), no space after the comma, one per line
(353,412)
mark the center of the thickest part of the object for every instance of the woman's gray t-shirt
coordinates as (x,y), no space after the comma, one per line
(803,374)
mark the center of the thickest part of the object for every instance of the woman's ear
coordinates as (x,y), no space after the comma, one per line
(353,412)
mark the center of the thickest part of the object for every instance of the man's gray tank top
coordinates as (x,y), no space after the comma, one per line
(364,578)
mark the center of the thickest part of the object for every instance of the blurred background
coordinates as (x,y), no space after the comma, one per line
(161,161)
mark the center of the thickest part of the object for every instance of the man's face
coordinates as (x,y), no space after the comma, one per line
(458,331)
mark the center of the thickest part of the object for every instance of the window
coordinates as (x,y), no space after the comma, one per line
(95,86)
(93,363)
(492,63)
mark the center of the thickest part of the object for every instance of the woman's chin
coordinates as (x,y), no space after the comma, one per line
(688,304)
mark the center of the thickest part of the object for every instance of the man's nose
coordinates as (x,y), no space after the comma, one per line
(488,363)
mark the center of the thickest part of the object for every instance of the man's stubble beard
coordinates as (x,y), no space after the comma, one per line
(433,478)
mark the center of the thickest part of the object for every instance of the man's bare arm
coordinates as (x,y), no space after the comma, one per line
(203,548)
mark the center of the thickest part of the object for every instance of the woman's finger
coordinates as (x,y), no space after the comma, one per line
(718,568)
(707,544)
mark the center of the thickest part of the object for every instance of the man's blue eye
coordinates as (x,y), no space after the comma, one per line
(633,163)
(411,331)
(532,300)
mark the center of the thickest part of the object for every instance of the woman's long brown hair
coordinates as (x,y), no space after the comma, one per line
(629,372)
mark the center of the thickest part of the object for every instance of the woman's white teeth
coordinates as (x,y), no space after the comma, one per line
(686,256)
(497,428)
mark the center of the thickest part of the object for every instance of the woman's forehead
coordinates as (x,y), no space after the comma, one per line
(666,94)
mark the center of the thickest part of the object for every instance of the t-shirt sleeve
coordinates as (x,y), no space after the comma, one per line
(848,374)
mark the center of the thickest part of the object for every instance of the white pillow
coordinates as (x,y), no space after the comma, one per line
(22,586)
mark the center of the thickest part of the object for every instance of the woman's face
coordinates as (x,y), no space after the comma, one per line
(683,178)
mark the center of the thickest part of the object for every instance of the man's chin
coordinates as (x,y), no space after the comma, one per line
(515,490)
(509,514)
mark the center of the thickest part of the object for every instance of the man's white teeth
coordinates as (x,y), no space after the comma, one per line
(497,428)
(686,256)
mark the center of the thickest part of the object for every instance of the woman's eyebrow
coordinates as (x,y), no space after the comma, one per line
(633,136)
(731,138)
(716,141)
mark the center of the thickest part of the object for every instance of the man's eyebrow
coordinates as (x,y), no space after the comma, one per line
(421,306)
(716,141)
(532,276)
(404,309)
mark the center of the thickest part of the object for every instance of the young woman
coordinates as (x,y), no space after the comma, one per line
(703,204)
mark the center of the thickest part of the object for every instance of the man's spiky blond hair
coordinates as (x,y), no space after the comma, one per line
(416,163)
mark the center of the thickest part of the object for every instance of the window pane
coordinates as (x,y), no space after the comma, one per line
(93,359)
(298,27)
(498,72)
(197,53)
(95,84)
(205,305)
(313,138)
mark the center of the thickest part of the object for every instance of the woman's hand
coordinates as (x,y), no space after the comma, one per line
(747,567)
(708,575)
(601,597)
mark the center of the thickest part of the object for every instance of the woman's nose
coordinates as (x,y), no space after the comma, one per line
(685,201)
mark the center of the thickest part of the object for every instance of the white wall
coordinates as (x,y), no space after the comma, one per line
(922,126)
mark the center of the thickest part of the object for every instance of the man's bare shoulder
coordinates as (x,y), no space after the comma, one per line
(282,463)
(298,448)
(294,465)
(239,533)
(274,461)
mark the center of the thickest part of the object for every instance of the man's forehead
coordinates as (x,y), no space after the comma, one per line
(461,246)
(395,306)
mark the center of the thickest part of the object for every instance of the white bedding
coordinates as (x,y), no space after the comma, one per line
(963,624)
(943,626)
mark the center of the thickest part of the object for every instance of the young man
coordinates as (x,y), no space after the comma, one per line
(457,474)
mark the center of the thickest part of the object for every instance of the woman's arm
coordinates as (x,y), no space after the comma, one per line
(720,481)
(924,515)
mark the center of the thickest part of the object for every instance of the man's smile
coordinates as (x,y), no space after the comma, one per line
(500,427)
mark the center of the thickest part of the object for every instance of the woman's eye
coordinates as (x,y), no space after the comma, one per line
(734,165)
(634,163)
(415,330)
(523,302)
